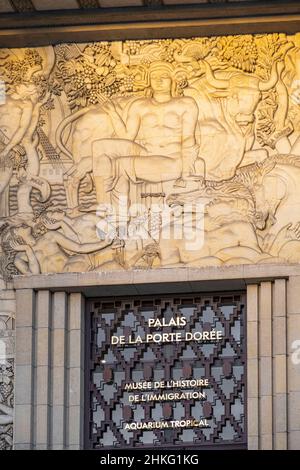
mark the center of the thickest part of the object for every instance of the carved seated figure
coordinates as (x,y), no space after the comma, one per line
(156,143)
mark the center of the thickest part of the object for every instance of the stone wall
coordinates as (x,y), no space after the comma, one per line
(147,166)
(150,154)
(49,370)
(50,346)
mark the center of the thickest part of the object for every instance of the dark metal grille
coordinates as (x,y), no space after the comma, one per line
(110,367)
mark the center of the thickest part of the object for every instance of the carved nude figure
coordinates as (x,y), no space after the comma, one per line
(18,121)
(156,143)
(48,253)
(84,229)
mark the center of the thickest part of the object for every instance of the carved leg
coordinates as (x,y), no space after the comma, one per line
(72,195)
(103,176)
(23,197)
(112,170)
(33,169)
(5,176)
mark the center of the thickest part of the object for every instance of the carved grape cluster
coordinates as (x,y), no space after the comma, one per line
(32,57)
(112,89)
(132,47)
(168,55)
(97,48)
(14,71)
(89,75)
(94,96)
(127,83)
(79,80)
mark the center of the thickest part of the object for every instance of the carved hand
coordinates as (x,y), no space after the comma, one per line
(51,224)
(17,246)
(293,232)
(80,169)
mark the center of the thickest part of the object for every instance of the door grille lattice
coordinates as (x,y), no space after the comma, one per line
(222,362)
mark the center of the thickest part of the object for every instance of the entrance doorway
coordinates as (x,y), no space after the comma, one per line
(166,372)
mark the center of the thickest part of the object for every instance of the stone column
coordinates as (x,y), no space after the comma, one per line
(267,365)
(252,366)
(59,371)
(42,370)
(280,358)
(75,425)
(24,369)
(49,370)
(293,372)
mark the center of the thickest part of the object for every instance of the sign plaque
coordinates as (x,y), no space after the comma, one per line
(167,372)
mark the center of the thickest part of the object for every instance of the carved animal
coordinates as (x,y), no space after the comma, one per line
(227,103)
(273,197)
(262,185)
(281,193)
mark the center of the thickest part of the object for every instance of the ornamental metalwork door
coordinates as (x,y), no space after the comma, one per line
(166,372)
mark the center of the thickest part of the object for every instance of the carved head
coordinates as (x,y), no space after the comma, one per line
(268,196)
(242,91)
(14,234)
(26,92)
(163,77)
(22,231)
(243,98)
(39,229)
(161,81)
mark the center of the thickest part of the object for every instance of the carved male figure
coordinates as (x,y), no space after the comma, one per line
(155,144)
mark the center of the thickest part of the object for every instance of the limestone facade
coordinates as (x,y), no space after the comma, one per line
(50,348)
(147,166)
(150,154)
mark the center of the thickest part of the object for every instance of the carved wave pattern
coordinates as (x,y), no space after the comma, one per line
(57,199)
(87,198)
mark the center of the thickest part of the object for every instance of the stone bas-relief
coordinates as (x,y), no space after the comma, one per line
(6,379)
(145,154)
